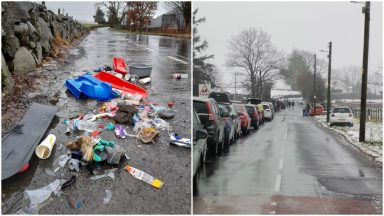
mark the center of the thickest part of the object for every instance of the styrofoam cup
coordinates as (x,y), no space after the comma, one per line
(43,151)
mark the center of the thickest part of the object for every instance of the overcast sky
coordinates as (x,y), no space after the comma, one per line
(303,25)
(84,10)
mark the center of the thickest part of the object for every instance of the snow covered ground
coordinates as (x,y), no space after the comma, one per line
(373,136)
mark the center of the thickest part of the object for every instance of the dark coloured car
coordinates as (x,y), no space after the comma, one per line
(254,101)
(220,97)
(236,120)
(229,129)
(200,137)
(252,111)
(213,122)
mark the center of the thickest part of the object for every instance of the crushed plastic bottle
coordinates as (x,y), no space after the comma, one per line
(82,125)
(144,177)
(108,196)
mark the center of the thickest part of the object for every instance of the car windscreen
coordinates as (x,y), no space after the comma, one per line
(220,97)
(341,110)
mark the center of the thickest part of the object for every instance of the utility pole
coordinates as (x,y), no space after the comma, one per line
(363,102)
(314,83)
(329,81)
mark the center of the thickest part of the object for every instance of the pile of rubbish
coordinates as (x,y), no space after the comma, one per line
(125,108)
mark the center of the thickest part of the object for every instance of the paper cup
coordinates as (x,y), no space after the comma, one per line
(43,151)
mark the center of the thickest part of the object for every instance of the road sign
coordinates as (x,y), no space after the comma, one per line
(204,90)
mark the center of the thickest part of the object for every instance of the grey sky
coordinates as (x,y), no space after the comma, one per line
(84,10)
(303,25)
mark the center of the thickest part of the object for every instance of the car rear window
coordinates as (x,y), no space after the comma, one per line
(265,106)
(238,108)
(200,107)
(341,110)
(220,97)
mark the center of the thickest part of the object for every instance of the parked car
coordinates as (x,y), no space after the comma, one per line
(236,120)
(242,112)
(271,108)
(200,136)
(268,114)
(318,110)
(213,122)
(220,97)
(252,112)
(341,115)
(229,128)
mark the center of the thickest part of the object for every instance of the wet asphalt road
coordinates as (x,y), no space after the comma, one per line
(290,166)
(171,164)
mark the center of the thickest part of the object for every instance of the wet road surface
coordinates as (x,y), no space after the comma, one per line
(171,164)
(290,166)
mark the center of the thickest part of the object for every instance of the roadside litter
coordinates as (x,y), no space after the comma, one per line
(42,194)
(179,76)
(126,108)
(144,177)
(177,140)
(15,151)
(107,197)
(43,151)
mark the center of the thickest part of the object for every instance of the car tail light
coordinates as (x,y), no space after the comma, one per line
(210,115)
(254,115)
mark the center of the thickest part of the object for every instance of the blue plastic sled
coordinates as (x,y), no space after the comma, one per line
(90,87)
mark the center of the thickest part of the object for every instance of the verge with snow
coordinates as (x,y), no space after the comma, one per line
(373,136)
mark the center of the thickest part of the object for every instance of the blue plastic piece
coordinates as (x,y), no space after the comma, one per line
(90,87)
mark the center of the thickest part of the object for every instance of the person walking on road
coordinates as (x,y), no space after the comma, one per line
(293,105)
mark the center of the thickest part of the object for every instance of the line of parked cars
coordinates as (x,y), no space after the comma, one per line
(218,122)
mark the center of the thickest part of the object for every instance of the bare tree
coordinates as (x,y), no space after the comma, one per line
(252,52)
(182,8)
(116,12)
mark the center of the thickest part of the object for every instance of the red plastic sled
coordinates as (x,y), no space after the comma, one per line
(121,84)
(119,65)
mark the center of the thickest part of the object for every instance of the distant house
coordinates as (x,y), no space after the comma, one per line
(169,21)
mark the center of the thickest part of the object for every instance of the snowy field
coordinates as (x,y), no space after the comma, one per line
(373,136)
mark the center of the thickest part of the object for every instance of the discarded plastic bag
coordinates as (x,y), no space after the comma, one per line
(144,177)
(63,160)
(177,140)
(40,195)
(108,196)
(161,124)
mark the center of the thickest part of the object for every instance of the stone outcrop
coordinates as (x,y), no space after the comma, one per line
(29,31)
